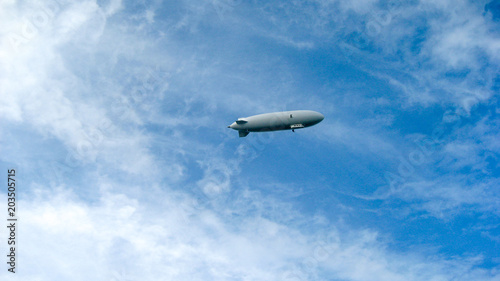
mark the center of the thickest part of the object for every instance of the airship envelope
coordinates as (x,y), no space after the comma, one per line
(276,121)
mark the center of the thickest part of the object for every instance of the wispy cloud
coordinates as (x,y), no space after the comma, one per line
(130,172)
(174,239)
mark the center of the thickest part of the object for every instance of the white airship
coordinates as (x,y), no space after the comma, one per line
(286,120)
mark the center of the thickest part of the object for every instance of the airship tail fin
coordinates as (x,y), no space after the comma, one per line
(243,133)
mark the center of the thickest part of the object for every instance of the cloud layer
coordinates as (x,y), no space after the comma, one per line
(115,113)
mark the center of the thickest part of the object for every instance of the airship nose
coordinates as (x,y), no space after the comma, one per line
(320,116)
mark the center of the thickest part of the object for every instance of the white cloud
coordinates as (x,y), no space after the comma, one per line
(158,230)
(448,197)
(361,138)
(40,88)
(47,94)
(464,38)
(415,46)
(170,238)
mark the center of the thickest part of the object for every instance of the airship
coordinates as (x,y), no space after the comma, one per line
(276,121)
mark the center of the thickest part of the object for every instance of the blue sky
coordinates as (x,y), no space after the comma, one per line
(114,114)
